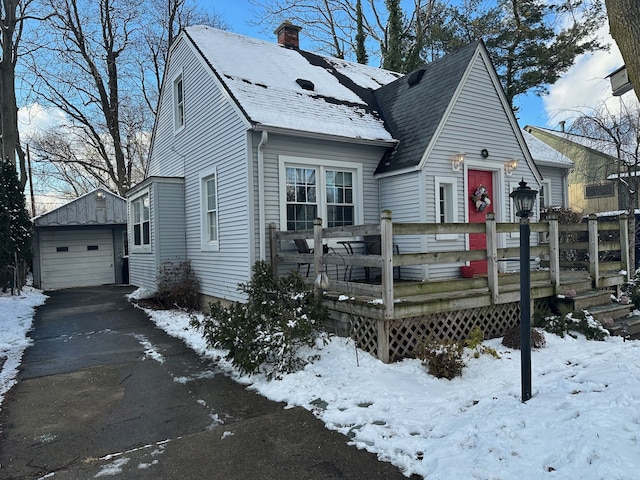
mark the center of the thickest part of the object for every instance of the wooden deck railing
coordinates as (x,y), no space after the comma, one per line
(598,247)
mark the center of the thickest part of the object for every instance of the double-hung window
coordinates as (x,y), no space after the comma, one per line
(210,231)
(141,222)
(330,191)
(178,103)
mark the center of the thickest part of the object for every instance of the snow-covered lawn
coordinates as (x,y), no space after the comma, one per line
(16,318)
(582,422)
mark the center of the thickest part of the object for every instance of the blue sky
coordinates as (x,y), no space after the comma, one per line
(583,86)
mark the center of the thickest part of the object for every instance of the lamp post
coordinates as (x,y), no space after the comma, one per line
(523,199)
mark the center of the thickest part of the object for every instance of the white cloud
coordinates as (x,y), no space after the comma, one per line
(35,118)
(585,85)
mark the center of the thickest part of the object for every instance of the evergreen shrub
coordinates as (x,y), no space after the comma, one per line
(265,334)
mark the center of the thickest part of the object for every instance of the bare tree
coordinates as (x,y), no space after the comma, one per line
(332,25)
(164,19)
(109,63)
(618,134)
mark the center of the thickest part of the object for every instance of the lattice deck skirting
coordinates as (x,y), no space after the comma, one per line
(406,333)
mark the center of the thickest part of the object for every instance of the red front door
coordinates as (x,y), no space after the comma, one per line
(477,212)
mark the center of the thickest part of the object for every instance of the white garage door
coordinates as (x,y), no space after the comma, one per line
(76,258)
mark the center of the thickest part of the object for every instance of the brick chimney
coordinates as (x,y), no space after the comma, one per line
(288,35)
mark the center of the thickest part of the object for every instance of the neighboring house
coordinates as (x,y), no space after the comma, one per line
(590,189)
(250,133)
(81,243)
(554,168)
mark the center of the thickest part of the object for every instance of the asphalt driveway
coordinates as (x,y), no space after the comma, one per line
(93,401)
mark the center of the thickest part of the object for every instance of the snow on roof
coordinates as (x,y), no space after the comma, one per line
(544,154)
(261,76)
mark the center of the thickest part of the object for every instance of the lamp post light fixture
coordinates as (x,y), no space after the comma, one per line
(523,200)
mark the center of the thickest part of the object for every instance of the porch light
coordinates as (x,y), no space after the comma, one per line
(99,194)
(458,160)
(511,166)
(523,199)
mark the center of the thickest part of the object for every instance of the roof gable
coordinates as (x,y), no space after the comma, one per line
(544,154)
(261,77)
(415,105)
(98,207)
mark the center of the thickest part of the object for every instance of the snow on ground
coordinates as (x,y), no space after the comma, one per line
(582,422)
(16,318)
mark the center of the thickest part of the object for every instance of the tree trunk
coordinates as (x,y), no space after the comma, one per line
(10,139)
(625,30)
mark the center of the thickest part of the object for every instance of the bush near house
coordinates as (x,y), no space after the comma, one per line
(578,322)
(265,334)
(178,286)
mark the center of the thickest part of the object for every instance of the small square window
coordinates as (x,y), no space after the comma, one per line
(62,249)
(92,247)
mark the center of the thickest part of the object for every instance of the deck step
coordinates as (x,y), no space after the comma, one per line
(627,327)
(614,311)
(583,300)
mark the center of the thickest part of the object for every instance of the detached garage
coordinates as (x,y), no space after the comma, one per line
(82,243)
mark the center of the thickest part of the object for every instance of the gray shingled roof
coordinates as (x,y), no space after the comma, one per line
(412,113)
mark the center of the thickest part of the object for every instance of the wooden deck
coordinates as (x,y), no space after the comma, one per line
(582,257)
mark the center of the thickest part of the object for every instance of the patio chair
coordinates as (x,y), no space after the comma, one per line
(303,247)
(373,246)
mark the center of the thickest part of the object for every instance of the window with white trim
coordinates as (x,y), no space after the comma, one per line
(141,223)
(178,103)
(446,207)
(210,231)
(331,191)
(545,194)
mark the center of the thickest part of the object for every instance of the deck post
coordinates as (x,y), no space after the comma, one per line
(318,251)
(594,267)
(386,250)
(554,253)
(492,257)
(273,247)
(624,244)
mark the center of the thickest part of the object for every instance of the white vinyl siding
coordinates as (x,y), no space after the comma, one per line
(215,136)
(76,258)
(554,185)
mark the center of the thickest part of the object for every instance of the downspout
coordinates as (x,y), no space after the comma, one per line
(261,215)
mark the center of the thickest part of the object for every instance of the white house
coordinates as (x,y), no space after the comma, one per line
(250,133)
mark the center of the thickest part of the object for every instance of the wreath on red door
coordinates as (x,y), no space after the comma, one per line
(480,198)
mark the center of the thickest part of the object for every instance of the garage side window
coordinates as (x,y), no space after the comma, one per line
(141,221)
